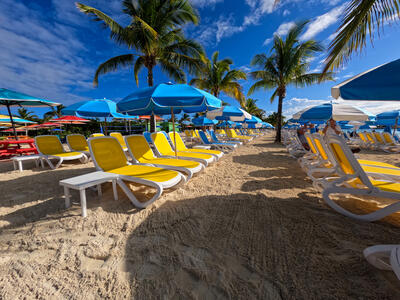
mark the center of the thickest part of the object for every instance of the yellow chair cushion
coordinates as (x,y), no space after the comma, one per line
(172,162)
(145,172)
(108,153)
(387,186)
(182,147)
(66,154)
(120,139)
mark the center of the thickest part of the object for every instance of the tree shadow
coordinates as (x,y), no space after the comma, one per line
(263,160)
(248,246)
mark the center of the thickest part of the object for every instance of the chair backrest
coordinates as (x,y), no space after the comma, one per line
(147,136)
(161,143)
(138,147)
(187,133)
(346,161)
(96,134)
(363,137)
(49,144)
(388,138)
(204,138)
(379,138)
(180,145)
(231,133)
(320,146)
(77,142)
(119,137)
(370,137)
(166,135)
(196,133)
(310,143)
(213,136)
(107,153)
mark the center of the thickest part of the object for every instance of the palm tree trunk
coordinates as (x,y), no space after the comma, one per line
(150,82)
(279,120)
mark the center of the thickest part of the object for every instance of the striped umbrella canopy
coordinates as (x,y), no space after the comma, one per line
(381,83)
(7,119)
(203,121)
(229,113)
(11,98)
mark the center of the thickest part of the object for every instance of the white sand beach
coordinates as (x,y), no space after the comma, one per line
(250,226)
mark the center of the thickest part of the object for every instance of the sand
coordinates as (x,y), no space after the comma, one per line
(250,226)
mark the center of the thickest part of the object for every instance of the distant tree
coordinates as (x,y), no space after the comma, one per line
(23,113)
(54,113)
(216,76)
(273,119)
(155,33)
(287,65)
(250,105)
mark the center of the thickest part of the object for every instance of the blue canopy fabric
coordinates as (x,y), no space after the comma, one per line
(253,120)
(388,118)
(227,124)
(161,98)
(12,98)
(381,83)
(95,108)
(203,121)
(267,125)
(16,120)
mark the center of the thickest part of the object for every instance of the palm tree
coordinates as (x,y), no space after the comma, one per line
(155,33)
(251,107)
(55,112)
(216,76)
(273,119)
(23,113)
(287,65)
(360,20)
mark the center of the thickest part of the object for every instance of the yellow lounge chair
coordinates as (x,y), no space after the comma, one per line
(50,147)
(181,147)
(356,182)
(164,149)
(120,139)
(327,164)
(141,152)
(232,134)
(108,156)
(78,143)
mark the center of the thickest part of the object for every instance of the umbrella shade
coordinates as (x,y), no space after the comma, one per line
(229,113)
(253,120)
(227,124)
(95,108)
(7,119)
(148,117)
(161,98)
(336,111)
(381,83)
(267,125)
(203,121)
(12,98)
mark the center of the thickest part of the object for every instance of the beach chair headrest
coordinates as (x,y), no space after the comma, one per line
(119,137)
(161,143)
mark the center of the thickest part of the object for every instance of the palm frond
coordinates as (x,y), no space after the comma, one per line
(112,65)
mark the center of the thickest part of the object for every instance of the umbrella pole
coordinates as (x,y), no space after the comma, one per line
(12,121)
(173,128)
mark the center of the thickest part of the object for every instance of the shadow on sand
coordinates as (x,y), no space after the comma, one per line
(254,247)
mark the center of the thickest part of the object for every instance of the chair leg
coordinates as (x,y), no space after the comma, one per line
(132,197)
(67,197)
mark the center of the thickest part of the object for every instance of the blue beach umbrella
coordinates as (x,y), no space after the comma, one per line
(336,111)
(101,108)
(229,113)
(389,118)
(15,119)
(203,121)
(11,98)
(168,98)
(229,124)
(267,125)
(381,83)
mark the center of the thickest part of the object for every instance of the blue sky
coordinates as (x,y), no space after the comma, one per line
(51,50)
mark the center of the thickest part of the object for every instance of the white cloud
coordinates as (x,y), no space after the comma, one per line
(258,9)
(322,22)
(283,29)
(286,12)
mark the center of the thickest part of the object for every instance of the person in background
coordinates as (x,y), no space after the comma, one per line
(300,133)
(331,128)
(312,128)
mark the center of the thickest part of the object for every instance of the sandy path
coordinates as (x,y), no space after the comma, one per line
(251,226)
